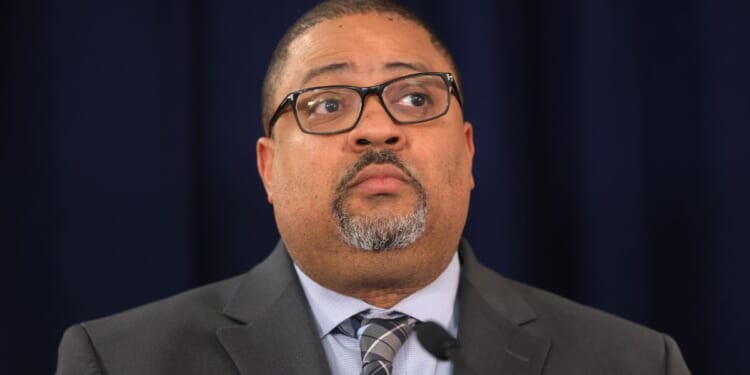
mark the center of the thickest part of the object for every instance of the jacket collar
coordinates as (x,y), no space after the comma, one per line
(276,332)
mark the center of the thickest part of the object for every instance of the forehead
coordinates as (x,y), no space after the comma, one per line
(362,49)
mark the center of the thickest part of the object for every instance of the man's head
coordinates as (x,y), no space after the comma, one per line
(375,210)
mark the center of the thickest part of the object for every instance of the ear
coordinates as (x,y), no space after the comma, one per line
(469,139)
(264,154)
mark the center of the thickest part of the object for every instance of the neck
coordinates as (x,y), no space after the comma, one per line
(384,299)
(381,279)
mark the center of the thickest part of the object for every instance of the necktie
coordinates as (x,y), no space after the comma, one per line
(379,340)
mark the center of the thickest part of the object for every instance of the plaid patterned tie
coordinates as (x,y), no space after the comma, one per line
(379,340)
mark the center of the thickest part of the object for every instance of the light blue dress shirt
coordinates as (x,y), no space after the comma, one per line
(436,302)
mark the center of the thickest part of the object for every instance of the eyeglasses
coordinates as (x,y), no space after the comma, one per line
(409,99)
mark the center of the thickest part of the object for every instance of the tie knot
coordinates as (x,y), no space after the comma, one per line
(380,339)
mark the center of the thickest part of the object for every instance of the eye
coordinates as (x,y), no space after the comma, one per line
(414,100)
(324,105)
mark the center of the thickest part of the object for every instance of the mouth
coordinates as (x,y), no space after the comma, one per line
(379,179)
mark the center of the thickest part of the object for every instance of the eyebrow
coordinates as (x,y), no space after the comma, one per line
(415,66)
(325,69)
(345,66)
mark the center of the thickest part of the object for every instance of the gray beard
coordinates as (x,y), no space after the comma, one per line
(375,233)
(381,233)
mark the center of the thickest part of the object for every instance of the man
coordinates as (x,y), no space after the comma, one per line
(367,163)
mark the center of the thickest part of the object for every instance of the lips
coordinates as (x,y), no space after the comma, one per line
(379,179)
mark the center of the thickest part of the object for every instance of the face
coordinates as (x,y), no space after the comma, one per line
(377,173)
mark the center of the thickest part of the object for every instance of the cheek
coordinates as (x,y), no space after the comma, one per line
(302,178)
(448,164)
(452,185)
(292,178)
(452,174)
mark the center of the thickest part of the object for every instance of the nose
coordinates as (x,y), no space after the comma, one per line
(376,129)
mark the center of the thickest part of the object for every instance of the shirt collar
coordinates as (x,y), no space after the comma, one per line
(435,302)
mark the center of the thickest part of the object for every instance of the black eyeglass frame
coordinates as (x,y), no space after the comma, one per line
(291,98)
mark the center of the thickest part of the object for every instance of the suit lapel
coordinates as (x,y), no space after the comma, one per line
(276,332)
(491,319)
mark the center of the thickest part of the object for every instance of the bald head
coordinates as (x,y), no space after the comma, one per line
(324,11)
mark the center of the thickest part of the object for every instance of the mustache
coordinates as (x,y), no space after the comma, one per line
(373,157)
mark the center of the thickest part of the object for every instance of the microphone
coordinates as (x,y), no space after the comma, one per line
(438,342)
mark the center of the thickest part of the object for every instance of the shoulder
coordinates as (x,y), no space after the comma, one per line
(194,308)
(178,334)
(172,335)
(560,315)
(599,339)
(573,338)
(593,340)
(544,312)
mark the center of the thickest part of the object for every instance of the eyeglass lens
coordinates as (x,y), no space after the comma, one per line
(408,100)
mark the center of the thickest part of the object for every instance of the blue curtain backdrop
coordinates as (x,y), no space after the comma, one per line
(612,160)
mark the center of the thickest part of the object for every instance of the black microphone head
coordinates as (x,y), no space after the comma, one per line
(436,340)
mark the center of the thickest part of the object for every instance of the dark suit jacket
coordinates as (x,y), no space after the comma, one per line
(261,323)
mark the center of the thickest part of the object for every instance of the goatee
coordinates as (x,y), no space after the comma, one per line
(375,233)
